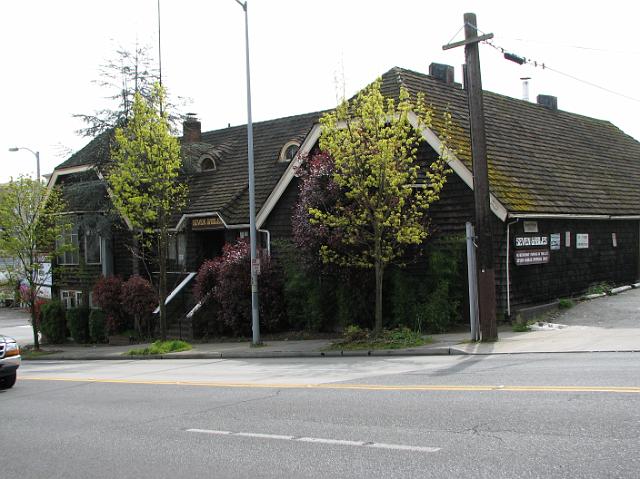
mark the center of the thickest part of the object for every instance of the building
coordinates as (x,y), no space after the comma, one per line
(564,193)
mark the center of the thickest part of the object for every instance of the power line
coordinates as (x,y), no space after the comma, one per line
(521,60)
(538,64)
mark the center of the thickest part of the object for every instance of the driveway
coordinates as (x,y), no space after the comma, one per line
(15,322)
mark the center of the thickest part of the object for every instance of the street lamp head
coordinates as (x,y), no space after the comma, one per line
(14,149)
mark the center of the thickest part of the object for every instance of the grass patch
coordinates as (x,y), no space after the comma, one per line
(565,303)
(161,347)
(599,288)
(520,327)
(356,339)
(29,353)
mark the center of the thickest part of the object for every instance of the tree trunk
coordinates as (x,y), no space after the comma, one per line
(162,293)
(379,278)
(34,323)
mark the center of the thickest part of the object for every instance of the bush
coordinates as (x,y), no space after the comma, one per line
(78,324)
(430,302)
(139,299)
(226,281)
(107,293)
(54,322)
(97,326)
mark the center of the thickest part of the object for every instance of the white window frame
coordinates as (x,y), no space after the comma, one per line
(71,298)
(203,158)
(63,240)
(283,152)
(86,249)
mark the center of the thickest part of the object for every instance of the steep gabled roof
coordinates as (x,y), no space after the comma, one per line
(540,161)
(96,152)
(225,190)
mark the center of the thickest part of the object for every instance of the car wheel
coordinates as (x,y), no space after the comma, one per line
(8,381)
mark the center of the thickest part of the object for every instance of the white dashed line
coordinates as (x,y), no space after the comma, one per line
(319,440)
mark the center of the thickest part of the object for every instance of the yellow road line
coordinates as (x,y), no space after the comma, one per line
(361,387)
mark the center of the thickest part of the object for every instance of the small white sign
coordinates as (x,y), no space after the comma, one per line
(614,240)
(567,239)
(582,240)
(530,226)
(555,241)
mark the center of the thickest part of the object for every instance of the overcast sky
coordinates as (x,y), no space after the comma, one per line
(303,55)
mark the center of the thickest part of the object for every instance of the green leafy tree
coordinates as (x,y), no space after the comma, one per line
(144,180)
(386,193)
(30,224)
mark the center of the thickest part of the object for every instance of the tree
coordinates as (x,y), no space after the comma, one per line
(144,180)
(385,192)
(129,73)
(30,225)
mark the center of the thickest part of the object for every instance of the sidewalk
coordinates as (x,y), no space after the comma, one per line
(605,324)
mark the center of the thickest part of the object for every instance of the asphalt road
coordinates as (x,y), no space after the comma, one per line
(558,415)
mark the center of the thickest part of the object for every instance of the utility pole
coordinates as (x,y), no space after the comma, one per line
(484,238)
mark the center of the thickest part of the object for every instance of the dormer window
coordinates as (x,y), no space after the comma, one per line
(289,151)
(207,163)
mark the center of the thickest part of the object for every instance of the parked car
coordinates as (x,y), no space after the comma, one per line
(9,361)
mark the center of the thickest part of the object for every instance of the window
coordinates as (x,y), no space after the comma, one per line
(289,151)
(177,249)
(71,298)
(68,242)
(207,163)
(92,248)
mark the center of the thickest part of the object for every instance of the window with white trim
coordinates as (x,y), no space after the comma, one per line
(207,163)
(71,298)
(92,248)
(68,241)
(289,151)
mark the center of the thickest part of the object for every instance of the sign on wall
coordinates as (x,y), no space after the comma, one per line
(528,241)
(207,223)
(554,239)
(531,249)
(567,239)
(530,226)
(582,240)
(531,256)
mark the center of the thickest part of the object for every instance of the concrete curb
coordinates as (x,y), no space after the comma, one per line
(443,351)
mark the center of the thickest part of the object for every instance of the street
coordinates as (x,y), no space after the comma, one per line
(525,415)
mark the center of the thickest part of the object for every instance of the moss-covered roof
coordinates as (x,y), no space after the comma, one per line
(540,161)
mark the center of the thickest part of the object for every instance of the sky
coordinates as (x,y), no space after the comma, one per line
(305,56)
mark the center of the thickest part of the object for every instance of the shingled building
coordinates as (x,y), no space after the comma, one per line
(564,192)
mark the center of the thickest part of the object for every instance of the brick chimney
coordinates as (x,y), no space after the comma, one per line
(548,101)
(444,73)
(191,129)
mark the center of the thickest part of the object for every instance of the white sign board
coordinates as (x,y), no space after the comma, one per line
(582,240)
(555,241)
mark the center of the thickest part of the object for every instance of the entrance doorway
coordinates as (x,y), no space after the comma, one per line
(209,244)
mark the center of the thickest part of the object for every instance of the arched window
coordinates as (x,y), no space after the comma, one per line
(207,163)
(289,151)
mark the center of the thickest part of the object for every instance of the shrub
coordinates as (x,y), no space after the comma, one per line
(139,299)
(54,322)
(97,326)
(78,324)
(430,302)
(107,293)
(226,281)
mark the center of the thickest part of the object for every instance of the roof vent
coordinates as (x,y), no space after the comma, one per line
(444,73)
(191,129)
(548,101)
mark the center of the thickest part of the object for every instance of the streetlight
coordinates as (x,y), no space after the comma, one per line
(255,265)
(35,153)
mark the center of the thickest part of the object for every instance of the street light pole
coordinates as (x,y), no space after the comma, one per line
(35,153)
(255,265)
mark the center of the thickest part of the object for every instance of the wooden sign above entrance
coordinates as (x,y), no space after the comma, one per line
(212,222)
